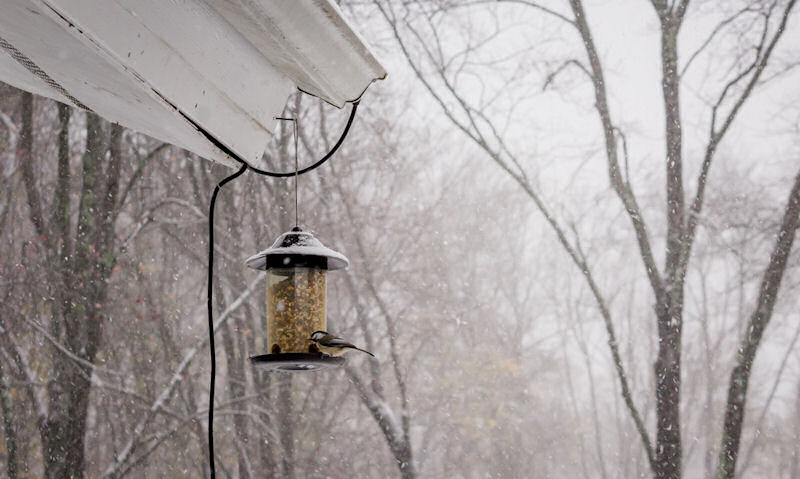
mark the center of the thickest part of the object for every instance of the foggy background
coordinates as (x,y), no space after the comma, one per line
(491,257)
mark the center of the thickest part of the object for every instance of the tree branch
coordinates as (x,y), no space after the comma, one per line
(620,186)
(391,428)
(711,36)
(760,421)
(716,137)
(25,160)
(472,131)
(571,62)
(768,294)
(61,201)
(617,359)
(137,173)
(527,3)
(113,469)
(679,10)
(28,375)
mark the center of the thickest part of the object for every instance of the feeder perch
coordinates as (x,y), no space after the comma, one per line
(296,266)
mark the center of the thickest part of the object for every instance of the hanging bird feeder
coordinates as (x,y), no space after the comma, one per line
(296,266)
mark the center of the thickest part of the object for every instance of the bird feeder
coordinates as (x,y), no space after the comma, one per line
(296,266)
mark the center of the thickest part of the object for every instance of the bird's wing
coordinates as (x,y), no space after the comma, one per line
(338,342)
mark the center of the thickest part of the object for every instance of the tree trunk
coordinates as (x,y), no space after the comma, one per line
(740,376)
(670,312)
(66,424)
(9,427)
(80,278)
(668,395)
(286,424)
(85,287)
(235,363)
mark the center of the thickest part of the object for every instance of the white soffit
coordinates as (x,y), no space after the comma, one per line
(205,75)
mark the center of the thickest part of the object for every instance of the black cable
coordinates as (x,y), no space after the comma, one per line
(211,314)
(319,162)
(245,166)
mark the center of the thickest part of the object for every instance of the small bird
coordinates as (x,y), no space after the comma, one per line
(331,345)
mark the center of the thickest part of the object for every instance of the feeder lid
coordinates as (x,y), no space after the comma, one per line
(298,248)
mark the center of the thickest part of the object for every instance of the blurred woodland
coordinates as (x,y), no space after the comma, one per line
(551,291)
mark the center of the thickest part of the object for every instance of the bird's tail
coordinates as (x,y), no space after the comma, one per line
(365,351)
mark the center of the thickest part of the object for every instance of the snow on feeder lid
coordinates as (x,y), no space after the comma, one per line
(298,248)
(296,266)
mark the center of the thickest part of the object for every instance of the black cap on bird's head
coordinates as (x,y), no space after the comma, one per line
(317,335)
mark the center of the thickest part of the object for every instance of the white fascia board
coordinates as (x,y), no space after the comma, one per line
(205,75)
(104,86)
(18,76)
(187,55)
(310,42)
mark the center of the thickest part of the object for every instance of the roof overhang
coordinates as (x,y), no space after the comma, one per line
(205,75)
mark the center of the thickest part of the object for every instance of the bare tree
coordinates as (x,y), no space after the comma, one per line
(490,362)
(371,390)
(78,247)
(415,31)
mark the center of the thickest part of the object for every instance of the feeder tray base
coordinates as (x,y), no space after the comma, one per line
(295,361)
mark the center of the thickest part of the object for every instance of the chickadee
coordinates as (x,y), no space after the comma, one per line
(331,345)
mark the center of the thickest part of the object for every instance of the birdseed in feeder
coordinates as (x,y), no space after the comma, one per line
(295,308)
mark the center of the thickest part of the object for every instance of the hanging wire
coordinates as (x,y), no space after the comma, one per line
(313,166)
(294,132)
(246,166)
